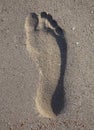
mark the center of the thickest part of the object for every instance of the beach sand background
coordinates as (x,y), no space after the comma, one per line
(18,73)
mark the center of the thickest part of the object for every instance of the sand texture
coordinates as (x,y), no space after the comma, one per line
(47,66)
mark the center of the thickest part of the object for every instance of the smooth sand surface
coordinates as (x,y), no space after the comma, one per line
(19,77)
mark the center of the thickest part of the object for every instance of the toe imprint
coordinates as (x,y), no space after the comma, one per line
(44,47)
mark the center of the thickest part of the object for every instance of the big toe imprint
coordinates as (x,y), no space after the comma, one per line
(47,47)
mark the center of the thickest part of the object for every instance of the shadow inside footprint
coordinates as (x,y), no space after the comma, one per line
(58,98)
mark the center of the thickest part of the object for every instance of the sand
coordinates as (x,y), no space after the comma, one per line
(19,74)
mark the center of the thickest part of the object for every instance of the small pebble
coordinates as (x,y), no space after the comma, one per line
(92,12)
(77,43)
(90,25)
(73,28)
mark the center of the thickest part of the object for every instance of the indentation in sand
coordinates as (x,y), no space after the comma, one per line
(45,43)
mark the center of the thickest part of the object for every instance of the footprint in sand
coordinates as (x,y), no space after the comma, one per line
(46,45)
